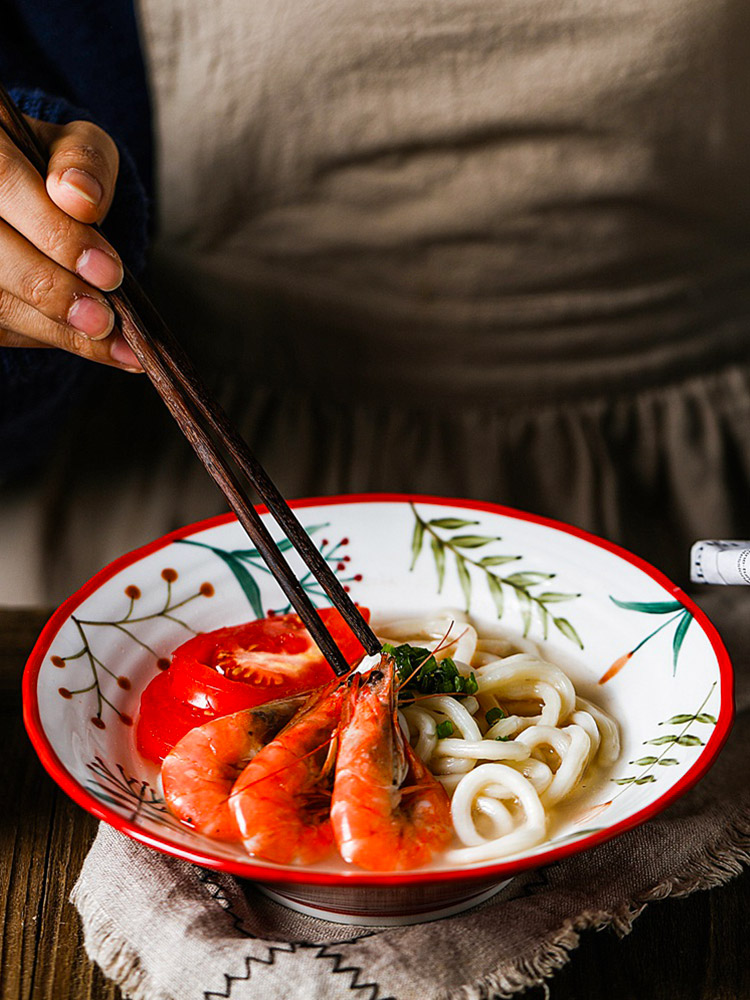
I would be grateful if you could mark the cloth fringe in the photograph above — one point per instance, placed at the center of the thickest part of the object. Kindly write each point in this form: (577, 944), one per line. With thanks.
(717, 866)
(106, 946)
(114, 955)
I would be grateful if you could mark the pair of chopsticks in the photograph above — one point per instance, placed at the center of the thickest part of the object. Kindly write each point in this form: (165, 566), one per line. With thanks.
(212, 436)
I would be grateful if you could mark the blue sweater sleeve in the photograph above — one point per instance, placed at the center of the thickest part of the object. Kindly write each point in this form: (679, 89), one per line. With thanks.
(37, 386)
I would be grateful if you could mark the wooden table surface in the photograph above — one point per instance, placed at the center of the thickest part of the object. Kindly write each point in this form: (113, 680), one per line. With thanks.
(696, 948)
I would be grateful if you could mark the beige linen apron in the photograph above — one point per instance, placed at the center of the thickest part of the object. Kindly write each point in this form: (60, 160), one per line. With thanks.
(490, 249)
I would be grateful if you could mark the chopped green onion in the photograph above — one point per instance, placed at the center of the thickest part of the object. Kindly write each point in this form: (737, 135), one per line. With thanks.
(419, 668)
(444, 729)
(494, 715)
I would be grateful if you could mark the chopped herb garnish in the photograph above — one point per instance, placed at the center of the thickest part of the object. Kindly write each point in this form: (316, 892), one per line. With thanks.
(444, 729)
(494, 715)
(502, 739)
(426, 674)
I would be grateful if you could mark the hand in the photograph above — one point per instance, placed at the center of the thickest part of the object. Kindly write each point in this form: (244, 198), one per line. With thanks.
(53, 265)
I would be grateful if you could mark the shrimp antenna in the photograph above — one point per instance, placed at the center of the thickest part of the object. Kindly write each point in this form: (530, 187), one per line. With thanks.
(442, 645)
(286, 767)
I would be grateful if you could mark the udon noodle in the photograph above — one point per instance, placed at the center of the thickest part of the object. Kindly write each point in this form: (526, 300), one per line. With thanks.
(505, 774)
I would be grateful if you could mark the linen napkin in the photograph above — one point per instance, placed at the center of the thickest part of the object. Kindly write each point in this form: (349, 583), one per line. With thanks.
(164, 929)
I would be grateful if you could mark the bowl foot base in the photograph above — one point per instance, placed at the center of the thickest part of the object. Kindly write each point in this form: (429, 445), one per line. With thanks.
(388, 911)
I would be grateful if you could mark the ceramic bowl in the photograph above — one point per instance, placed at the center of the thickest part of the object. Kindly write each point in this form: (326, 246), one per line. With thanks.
(629, 638)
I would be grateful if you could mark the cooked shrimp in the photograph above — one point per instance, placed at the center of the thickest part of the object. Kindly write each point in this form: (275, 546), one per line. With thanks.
(281, 801)
(388, 812)
(200, 771)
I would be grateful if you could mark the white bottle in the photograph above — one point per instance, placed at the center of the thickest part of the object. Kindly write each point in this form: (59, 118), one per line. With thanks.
(720, 561)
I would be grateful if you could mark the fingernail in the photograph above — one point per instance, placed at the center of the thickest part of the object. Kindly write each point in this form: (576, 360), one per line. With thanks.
(93, 318)
(98, 268)
(83, 184)
(121, 352)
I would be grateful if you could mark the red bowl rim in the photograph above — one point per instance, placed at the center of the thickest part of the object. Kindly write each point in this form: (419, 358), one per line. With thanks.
(263, 873)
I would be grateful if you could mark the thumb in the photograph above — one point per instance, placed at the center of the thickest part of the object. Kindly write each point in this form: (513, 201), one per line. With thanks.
(82, 169)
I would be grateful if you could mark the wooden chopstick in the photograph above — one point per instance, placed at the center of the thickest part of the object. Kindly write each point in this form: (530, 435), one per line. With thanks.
(198, 415)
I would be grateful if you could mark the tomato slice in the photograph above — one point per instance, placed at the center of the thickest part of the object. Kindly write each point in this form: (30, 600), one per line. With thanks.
(221, 672)
(162, 720)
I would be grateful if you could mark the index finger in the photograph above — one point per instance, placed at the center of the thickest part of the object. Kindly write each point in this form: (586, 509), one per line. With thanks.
(26, 206)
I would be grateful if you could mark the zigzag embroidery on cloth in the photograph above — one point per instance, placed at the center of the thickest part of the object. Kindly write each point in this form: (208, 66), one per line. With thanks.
(355, 971)
(218, 893)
